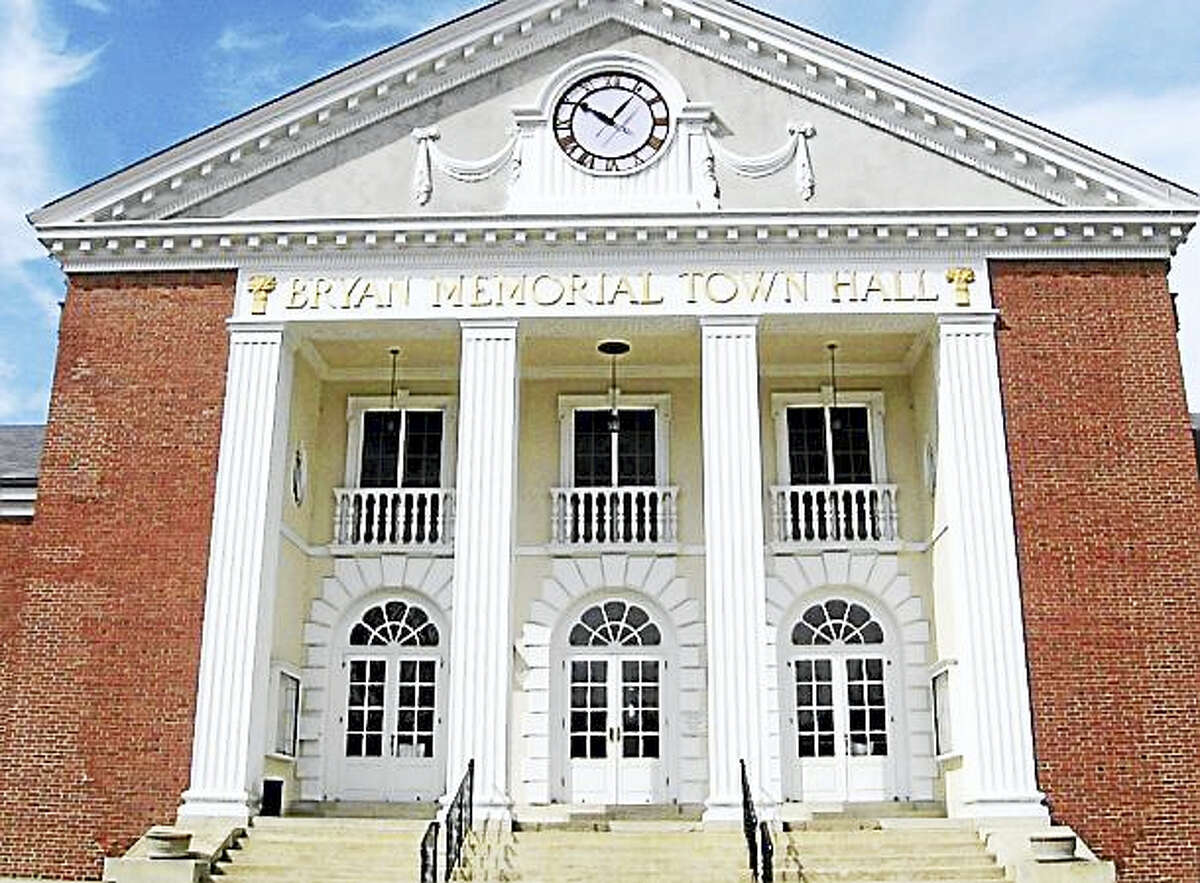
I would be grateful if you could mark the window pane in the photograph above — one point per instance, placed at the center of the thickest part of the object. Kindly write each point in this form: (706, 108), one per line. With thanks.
(851, 446)
(380, 448)
(593, 449)
(423, 449)
(288, 713)
(806, 445)
(635, 447)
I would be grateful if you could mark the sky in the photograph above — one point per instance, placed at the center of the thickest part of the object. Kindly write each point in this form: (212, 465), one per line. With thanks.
(89, 86)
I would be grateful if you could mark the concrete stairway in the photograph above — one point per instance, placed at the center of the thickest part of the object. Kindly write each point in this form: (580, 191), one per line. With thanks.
(326, 850)
(630, 852)
(841, 850)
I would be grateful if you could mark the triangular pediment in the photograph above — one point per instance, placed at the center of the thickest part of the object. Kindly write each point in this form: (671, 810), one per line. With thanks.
(867, 135)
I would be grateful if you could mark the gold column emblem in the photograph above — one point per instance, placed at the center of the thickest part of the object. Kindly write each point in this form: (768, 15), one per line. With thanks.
(260, 287)
(961, 278)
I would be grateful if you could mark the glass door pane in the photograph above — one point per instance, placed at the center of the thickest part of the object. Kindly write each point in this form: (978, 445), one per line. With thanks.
(416, 707)
(814, 708)
(364, 708)
(640, 708)
(866, 708)
(851, 435)
(635, 448)
(380, 448)
(806, 446)
(589, 709)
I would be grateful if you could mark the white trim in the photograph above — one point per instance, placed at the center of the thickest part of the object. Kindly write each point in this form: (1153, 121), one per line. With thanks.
(573, 582)
(794, 581)
(280, 667)
(355, 582)
(660, 403)
(357, 407)
(634, 239)
(873, 400)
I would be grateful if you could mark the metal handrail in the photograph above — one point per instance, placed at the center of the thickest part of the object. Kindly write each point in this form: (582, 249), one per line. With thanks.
(758, 835)
(429, 853)
(460, 818)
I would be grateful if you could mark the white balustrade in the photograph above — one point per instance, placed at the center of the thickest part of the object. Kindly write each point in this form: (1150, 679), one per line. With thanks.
(596, 516)
(373, 517)
(844, 513)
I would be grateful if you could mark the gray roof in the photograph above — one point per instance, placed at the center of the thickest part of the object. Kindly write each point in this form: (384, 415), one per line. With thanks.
(20, 451)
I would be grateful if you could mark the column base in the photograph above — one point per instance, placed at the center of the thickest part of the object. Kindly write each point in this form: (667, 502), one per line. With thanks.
(237, 809)
(1030, 807)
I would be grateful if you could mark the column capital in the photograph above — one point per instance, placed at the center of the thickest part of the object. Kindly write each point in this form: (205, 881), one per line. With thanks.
(949, 323)
(729, 321)
(481, 327)
(240, 326)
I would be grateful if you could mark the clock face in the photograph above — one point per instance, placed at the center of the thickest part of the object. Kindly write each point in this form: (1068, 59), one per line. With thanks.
(612, 122)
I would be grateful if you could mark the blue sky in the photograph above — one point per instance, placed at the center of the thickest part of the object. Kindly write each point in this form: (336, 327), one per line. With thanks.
(89, 86)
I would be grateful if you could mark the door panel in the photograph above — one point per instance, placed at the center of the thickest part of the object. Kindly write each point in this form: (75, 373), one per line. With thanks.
(390, 747)
(614, 730)
(841, 750)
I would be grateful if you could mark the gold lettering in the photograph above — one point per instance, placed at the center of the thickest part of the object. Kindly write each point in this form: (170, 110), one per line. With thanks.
(691, 280)
(547, 299)
(477, 292)
(322, 287)
(647, 298)
(716, 296)
(299, 295)
(447, 291)
(511, 288)
(756, 289)
(394, 285)
(874, 286)
(843, 280)
(901, 291)
(369, 290)
(578, 288)
(622, 288)
(797, 284)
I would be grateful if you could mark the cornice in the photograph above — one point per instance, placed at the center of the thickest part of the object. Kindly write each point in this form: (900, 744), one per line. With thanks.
(545, 240)
(821, 70)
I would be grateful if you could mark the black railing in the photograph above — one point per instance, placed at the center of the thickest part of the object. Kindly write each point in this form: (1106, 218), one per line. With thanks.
(460, 818)
(758, 835)
(429, 854)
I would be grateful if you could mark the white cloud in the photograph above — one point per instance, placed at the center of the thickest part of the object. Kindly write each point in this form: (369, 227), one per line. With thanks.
(18, 403)
(34, 66)
(246, 39)
(99, 6)
(401, 19)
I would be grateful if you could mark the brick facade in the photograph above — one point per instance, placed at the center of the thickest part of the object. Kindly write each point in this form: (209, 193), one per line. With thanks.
(101, 632)
(1105, 497)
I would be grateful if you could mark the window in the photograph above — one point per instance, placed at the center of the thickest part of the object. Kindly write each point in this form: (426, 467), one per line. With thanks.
(287, 713)
(634, 462)
(943, 740)
(836, 621)
(819, 444)
(615, 623)
(829, 445)
(401, 448)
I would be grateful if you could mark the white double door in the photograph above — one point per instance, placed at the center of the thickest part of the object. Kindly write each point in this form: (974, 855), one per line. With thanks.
(614, 729)
(390, 727)
(841, 727)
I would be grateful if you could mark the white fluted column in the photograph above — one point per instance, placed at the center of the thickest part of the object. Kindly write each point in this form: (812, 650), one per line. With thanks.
(975, 564)
(735, 581)
(480, 655)
(228, 743)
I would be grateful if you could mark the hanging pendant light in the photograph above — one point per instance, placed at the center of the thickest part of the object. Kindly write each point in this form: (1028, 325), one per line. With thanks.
(832, 346)
(613, 349)
(392, 422)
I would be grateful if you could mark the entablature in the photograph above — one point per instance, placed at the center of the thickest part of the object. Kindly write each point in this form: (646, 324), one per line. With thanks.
(546, 239)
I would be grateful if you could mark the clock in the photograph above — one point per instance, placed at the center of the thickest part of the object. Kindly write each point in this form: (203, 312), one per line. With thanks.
(612, 122)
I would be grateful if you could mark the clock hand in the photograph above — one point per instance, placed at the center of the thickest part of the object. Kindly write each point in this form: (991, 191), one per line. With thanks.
(621, 123)
(603, 117)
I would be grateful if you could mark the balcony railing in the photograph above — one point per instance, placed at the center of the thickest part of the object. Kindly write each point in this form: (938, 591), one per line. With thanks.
(839, 513)
(381, 517)
(600, 516)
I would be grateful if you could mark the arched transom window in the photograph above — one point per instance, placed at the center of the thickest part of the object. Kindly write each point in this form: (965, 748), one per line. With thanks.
(615, 623)
(836, 621)
(396, 623)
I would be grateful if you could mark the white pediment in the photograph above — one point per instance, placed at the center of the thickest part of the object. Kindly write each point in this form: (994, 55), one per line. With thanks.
(764, 117)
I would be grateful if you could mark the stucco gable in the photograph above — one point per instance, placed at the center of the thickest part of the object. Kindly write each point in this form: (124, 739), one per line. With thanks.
(987, 157)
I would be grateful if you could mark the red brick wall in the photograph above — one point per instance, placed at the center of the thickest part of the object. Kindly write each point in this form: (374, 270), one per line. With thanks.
(1106, 504)
(102, 639)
